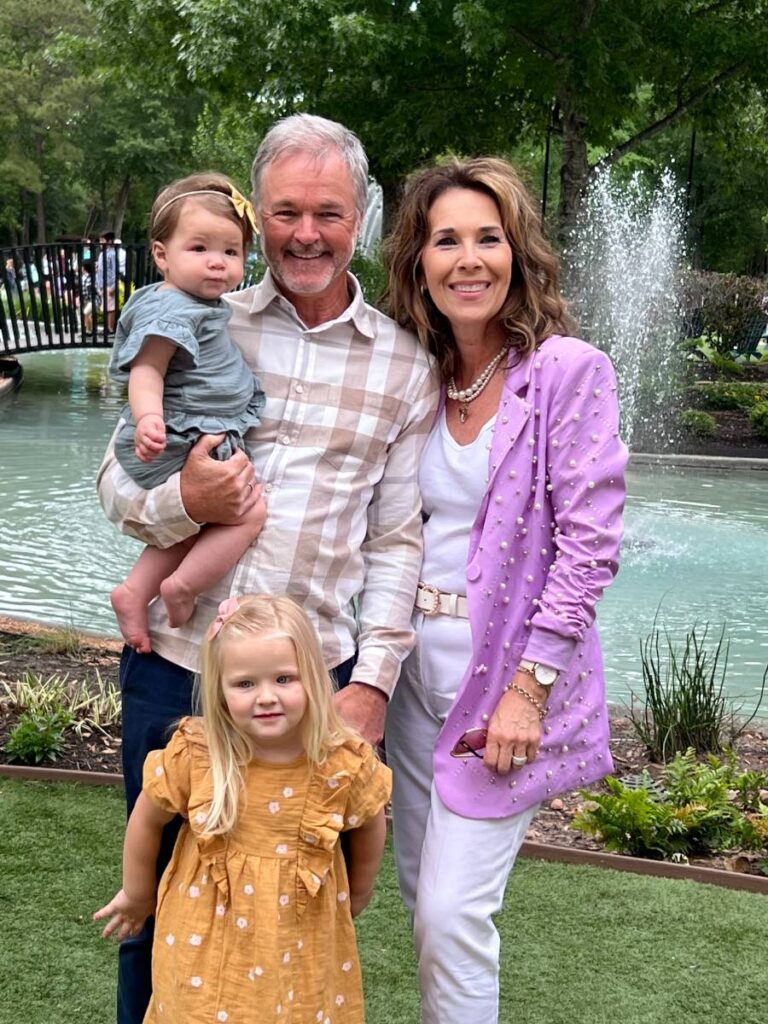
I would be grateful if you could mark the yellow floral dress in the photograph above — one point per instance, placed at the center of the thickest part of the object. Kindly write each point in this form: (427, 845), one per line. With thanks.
(256, 925)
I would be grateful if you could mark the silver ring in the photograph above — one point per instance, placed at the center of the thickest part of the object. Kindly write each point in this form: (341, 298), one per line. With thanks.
(518, 762)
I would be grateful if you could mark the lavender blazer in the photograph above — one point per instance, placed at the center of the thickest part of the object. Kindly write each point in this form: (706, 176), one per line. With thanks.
(543, 547)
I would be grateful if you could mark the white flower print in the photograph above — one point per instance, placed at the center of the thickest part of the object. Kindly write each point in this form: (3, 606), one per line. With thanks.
(273, 806)
(170, 939)
(286, 958)
(287, 792)
(283, 900)
(222, 1015)
(159, 771)
(255, 972)
(319, 1015)
(195, 982)
(204, 880)
(281, 848)
(337, 819)
(339, 1000)
(333, 784)
(347, 965)
(300, 944)
(242, 922)
(290, 995)
(278, 1009)
(220, 910)
(341, 897)
(200, 818)
(352, 820)
(195, 940)
(248, 889)
(194, 892)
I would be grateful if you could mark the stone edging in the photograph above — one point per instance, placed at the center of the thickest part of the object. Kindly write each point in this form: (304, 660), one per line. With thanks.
(540, 851)
(716, 463)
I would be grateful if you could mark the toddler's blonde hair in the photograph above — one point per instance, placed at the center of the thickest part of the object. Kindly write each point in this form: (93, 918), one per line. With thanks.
(322, 727)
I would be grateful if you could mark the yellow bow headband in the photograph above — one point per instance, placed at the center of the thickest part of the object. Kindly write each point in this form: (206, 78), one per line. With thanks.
(243, 207)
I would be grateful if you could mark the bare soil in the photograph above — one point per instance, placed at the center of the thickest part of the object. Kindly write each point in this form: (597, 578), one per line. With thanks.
(101, 752)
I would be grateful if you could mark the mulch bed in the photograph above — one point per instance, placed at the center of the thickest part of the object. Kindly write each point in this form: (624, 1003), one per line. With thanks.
(101, 753)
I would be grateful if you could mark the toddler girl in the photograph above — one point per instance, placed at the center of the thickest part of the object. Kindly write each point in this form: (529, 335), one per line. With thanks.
(254, 912)
(185, 378)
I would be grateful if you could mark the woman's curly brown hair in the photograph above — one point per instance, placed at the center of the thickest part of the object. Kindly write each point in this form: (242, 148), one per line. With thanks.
(534, 308)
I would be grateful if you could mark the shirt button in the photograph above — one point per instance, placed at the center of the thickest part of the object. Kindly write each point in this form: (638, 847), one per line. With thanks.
(285, 439)
(299, 389)
(268, 488)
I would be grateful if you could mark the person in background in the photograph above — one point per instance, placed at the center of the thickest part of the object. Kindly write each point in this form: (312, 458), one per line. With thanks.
(502, 703)
(350, 400)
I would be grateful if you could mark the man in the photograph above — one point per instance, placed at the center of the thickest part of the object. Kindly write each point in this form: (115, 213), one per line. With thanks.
(350, 399)
(106, 278)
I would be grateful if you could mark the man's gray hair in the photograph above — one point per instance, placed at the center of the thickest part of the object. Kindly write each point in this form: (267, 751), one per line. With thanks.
(308, 133)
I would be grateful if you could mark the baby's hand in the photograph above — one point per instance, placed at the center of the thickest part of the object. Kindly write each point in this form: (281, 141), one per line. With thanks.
(149, 437)
(126, 916)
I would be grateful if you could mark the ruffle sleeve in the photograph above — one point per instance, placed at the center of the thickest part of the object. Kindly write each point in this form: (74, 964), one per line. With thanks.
(164, 314)
(167, 774)
(369, 791)
(346, 791)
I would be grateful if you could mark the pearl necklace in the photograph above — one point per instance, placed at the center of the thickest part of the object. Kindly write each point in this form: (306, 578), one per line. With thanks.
(469, 394)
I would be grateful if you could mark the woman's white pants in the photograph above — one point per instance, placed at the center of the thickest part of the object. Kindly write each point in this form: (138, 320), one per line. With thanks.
(452, 870)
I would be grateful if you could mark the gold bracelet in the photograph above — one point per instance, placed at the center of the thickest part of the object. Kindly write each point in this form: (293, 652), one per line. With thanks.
(530, 698)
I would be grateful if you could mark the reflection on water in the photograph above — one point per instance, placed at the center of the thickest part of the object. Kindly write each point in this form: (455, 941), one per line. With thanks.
(695, 545)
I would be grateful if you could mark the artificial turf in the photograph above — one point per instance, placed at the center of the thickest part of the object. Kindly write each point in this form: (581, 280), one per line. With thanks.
(579, 945)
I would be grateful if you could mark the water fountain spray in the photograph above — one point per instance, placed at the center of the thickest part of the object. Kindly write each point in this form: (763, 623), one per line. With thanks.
(623, 277)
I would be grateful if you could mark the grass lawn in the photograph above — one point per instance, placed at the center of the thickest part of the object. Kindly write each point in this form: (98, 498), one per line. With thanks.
(580, 945)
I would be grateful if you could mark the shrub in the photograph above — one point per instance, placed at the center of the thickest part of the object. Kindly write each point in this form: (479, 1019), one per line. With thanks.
(684, 703)
(38, 736)
(731, 394)
(689, 810)
(759, 416)
(94, 705)
(699, 423)
(723, 306)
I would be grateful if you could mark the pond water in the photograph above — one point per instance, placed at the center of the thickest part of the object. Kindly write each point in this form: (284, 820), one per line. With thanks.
(695, 549)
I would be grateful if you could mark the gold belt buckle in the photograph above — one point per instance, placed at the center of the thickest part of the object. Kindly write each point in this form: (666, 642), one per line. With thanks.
(428, 588)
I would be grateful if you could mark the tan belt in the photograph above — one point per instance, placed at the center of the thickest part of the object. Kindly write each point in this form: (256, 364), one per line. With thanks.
(432, 601)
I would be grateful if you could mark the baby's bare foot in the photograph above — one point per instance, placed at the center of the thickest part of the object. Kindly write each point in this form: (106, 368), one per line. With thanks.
(131, 613)
(179, 600)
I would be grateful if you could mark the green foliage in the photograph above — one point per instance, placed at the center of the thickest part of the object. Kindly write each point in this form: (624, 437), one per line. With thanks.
(725, 306)
(725, 365)
(370, 272)
(684, 702)
(690, 810)
(699, 423)
(92, 705)
(731, 395)
(759, 417)
(38, 736)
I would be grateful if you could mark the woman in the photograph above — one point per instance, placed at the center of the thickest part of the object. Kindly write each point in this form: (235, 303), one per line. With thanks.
(502, 703)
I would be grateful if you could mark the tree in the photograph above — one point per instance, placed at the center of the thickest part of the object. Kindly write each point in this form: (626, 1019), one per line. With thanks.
(40, 92)
(418, 79)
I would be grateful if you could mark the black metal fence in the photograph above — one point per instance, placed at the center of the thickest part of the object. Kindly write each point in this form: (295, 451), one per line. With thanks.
(67, 294)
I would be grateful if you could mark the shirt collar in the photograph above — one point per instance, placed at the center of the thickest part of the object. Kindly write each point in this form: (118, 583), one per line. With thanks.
(266, 292)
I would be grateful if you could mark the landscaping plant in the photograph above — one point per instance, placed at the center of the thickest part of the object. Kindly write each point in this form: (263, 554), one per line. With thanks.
(685, 704)
(692, 808)
(699, 423)
(759, 417)
(38, 736)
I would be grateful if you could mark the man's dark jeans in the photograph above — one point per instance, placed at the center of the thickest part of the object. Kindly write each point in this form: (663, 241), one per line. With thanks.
(156, 694)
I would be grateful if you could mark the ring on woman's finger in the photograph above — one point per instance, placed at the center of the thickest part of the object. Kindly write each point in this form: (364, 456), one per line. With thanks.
(518, 762)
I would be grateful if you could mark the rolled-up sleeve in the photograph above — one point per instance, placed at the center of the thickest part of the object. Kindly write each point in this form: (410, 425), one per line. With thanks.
(586, 459)
(155, 517)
